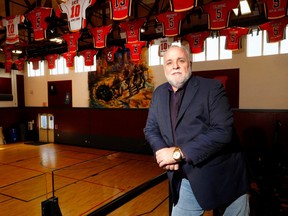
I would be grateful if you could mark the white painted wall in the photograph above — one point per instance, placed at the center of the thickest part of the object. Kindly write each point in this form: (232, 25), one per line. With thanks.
(263, 82)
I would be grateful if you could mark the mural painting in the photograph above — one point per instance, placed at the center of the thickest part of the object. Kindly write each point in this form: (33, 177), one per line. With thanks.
(120, 82)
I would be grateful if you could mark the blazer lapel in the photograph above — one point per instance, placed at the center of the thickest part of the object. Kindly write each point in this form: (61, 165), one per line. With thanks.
(165, 113)
(190, 92)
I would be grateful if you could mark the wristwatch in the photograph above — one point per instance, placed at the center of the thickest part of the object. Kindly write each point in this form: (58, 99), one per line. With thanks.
(177, 154)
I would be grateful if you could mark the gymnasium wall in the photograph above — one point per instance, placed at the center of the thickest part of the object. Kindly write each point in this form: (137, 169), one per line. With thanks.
(122, 129)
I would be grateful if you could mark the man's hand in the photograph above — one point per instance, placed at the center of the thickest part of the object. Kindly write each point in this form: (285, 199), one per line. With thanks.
(165, 160)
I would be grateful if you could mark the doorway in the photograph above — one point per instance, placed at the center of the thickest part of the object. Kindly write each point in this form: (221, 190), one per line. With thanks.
(46, 129)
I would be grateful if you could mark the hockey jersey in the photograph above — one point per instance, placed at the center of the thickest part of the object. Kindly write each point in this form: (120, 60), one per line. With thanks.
(234, 37)
(8, 52)
(89, 56)
(100, 35)
(11, 24)
(275, 29)
(35, 63)
(72, 40)
(132, 29)
(69, 57)
(20, 63)
(196, 41)
(109, 52)
(120, 9)
(135, 49)
(51, 59)
(76, 13)
(164, 44)
(37, 18)
(171, 22)
(274, 9)
(179, 6)
(219, 13)
(8, 66)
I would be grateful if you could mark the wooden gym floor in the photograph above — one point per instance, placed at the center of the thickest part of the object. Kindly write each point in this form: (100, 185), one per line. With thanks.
(84, 180)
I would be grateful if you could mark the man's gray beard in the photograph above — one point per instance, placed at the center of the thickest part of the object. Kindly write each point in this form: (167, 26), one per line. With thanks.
(179, 84)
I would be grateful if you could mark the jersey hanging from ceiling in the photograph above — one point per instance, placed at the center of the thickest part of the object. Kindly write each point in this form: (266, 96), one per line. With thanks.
(37, 18)
(135, 49)
(171, 22)
(275, 29)
(11, 23)
(69, 57)
(234, 37)
(100, 35)
(274, 9)
(196, 41)
(20, 63)
(109, 52)
(72, 40)
(179, 6)
(76, 13)
(35, 62)
(8, 66)
(164, 44)
(51, 59)
(120, 9)
(8, 53)
(132, 29)
(89, 56)
(219, 13)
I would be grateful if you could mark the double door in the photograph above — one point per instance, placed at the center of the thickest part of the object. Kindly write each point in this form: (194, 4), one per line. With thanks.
(46, 129)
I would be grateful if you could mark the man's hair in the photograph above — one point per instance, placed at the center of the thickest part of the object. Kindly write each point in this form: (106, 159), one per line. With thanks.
(182, 47)
(186, 53)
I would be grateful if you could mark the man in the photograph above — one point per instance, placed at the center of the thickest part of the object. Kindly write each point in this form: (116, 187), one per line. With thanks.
(189, 128)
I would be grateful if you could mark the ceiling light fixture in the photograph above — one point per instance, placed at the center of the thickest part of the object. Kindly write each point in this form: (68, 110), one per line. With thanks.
(56, 40)
(17, 51)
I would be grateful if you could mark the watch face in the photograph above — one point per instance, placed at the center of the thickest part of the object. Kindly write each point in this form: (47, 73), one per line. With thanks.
(176, 155)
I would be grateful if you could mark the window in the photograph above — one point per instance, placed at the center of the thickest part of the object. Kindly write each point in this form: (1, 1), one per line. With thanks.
(254, 43)
(35, 73)
(257, 44)
(214, 49)
(60, 67)
(81, 67)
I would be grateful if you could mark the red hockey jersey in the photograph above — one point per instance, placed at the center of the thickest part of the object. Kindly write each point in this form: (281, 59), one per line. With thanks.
(109, 52)
(72, 40)
(171, 22)
(135, 49)
(196, 41)
(69, 57)
(275, 29)
(120, 9)
(179, 6)
(234, 37)
(219, 13)
(20, 63)
(51, 59)
(37, 18)
(89, 56)
(274, 9)
(132, 29)
(100, 35)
